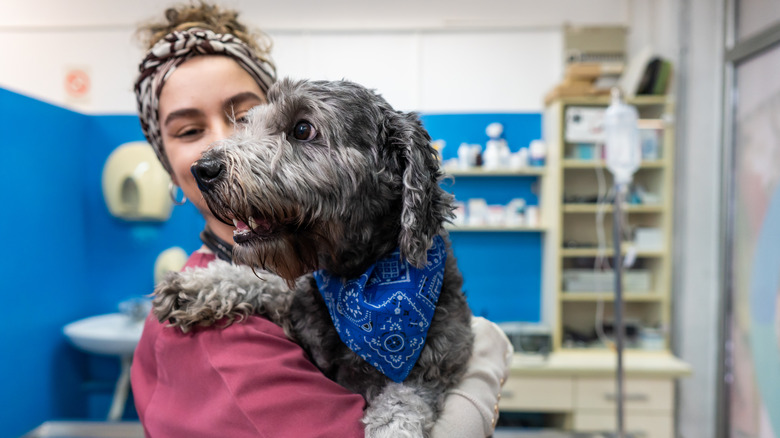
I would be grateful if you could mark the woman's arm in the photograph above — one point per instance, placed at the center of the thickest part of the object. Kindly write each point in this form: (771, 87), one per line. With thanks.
(247, 380)
(471, 409)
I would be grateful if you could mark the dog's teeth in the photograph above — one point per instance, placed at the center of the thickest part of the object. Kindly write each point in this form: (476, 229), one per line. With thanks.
(235, 222)
(252, 223)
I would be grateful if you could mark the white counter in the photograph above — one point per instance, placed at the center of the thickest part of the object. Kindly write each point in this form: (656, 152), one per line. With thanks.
(581, 386)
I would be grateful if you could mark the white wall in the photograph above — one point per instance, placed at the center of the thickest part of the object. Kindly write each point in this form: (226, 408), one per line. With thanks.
(35, 64)
(432, 56)
(465, 71)
(698, 236)
(690, 32)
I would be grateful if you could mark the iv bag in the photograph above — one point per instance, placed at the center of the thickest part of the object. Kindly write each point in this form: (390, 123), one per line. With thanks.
(623, 149)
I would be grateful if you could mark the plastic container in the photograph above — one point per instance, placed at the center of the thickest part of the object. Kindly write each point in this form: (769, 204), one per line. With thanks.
(537, 153)
(623, 150)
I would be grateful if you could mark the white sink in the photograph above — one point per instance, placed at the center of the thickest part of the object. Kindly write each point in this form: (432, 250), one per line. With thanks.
(111, 334)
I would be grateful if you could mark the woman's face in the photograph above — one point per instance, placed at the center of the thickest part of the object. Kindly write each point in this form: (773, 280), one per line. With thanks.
(199, 104)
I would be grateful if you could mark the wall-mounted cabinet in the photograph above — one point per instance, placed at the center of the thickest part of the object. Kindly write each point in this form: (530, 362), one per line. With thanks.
(578, 248)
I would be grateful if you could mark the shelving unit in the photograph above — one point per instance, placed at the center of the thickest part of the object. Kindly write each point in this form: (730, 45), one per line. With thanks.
(497, 229)
(477, 172)
(493, 254)
(527, 170)
(572, 242)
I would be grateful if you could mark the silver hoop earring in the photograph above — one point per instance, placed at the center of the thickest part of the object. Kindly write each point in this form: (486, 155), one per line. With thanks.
(172, 192)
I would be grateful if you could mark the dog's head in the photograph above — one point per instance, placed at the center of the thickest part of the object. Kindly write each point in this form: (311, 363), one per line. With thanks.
(327, 175)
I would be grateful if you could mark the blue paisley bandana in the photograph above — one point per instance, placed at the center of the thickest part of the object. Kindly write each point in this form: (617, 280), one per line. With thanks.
(384, 314)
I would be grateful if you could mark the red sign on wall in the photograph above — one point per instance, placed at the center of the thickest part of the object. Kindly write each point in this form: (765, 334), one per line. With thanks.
(77, 83)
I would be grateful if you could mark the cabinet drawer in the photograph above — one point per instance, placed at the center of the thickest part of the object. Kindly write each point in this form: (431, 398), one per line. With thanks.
(649, 425)
(639, 394)
(537, 394)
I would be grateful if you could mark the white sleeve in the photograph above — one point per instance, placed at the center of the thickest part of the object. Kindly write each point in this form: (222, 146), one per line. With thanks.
(471, 408)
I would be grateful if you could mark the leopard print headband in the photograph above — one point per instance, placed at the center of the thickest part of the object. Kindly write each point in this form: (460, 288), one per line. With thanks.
(170, 52)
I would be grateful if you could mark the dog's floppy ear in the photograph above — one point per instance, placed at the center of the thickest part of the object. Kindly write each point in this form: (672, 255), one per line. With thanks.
(425, 205)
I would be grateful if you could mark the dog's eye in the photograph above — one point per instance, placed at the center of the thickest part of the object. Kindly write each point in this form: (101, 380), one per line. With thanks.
(304, 131)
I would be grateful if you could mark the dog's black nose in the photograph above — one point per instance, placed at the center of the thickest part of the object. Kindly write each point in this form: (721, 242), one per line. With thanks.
(207, 172)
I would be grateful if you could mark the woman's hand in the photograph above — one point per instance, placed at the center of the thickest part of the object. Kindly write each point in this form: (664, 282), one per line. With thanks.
(471, 408)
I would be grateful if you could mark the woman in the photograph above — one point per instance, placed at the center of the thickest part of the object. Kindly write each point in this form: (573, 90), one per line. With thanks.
(203, 72)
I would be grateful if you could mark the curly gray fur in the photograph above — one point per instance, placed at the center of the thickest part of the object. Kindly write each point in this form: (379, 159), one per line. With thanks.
(365, 184)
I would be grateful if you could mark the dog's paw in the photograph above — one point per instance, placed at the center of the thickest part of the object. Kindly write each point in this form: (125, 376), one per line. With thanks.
(166, 296)
(189, 298)
(398, 412)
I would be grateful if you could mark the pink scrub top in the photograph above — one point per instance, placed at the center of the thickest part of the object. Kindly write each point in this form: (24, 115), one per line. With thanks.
(246, 380)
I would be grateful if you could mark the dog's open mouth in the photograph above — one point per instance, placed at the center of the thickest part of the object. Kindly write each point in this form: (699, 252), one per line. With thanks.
(257, 228)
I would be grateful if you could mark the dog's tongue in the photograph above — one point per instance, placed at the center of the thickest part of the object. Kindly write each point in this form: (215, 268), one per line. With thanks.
(240, 226)
(260, 226)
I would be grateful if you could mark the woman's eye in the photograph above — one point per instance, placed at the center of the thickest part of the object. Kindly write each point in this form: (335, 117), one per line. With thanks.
(242, 119)
(304, 131)
(188, 133)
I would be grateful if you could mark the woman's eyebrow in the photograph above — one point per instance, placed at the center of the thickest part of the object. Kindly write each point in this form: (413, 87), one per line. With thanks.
(182, 113)
(240, 98)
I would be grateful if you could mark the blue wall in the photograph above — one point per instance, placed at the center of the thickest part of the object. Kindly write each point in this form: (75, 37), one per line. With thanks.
(519, 129)
(67, 258)
(501, 271)
(44, 285)
(121, 254)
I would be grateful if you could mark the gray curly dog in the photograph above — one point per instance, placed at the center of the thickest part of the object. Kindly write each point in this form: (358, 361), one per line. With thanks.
(323, 183)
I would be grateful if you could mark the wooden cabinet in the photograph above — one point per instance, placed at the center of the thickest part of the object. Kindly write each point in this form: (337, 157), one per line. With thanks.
(650, 425)
(641, 394)
(581, 387)
(549, 394)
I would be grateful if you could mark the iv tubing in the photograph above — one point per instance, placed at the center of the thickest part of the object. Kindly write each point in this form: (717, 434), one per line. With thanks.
(619, 330)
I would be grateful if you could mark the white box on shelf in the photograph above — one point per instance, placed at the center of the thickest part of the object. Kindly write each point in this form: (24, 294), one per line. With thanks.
(650, 139)
(496, 215)
(648, 239)
(588, 280)
(584, 124)
(477, 212)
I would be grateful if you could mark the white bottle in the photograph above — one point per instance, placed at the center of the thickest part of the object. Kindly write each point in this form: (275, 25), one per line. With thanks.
(515, 212)
(491, 159)
(477, 212)
(464, 156)
(504, 154)
(520, 158)
(537, 151)
(496, 150)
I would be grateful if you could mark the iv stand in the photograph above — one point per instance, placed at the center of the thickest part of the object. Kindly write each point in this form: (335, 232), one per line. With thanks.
(623, 159)
(618, 327)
